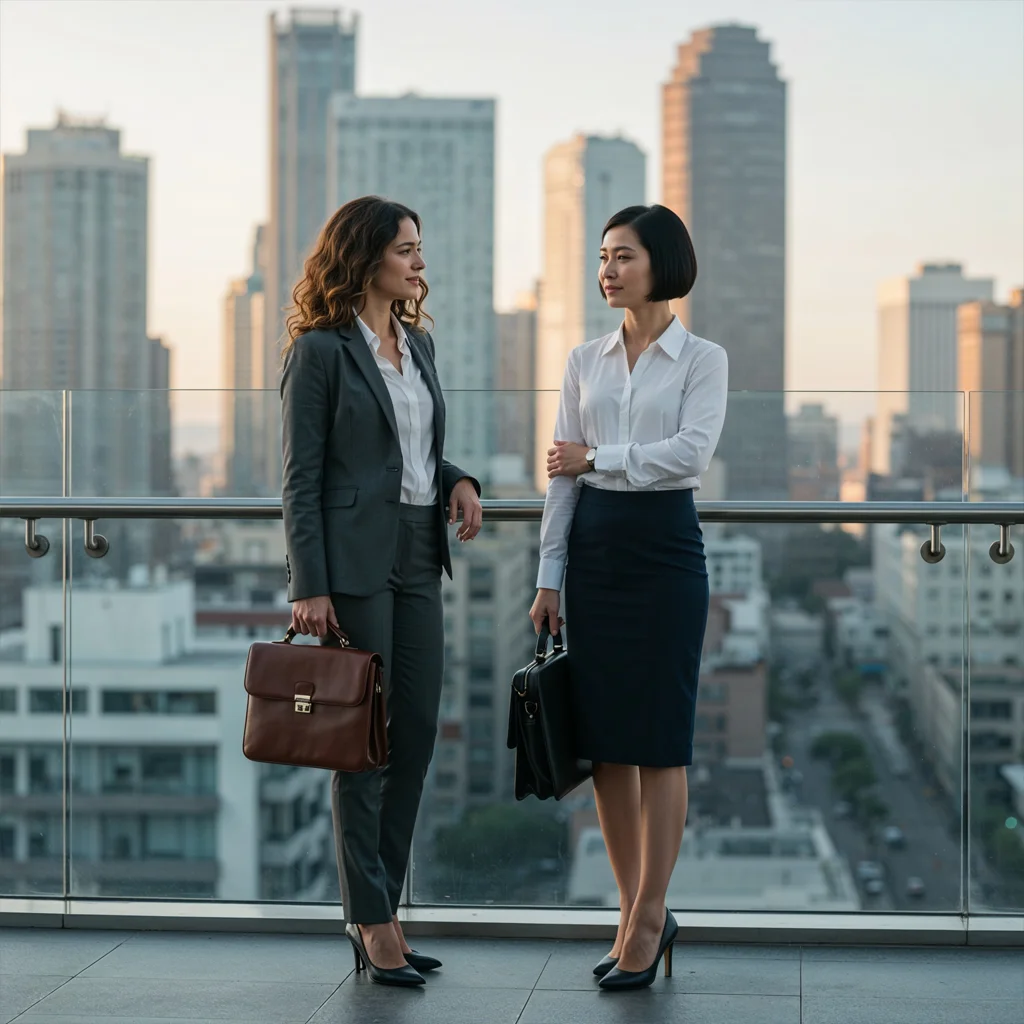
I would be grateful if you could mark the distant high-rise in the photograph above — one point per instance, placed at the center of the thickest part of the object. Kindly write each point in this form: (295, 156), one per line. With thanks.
(813, 449)
(74, 315)
(724, 173)
(917, 353)
(515, 360)
(437, 157)
(312, 56)
(586, 180)
(991, 363)
(249, 413)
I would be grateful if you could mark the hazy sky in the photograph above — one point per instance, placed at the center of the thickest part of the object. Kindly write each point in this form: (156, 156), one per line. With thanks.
(906, 131)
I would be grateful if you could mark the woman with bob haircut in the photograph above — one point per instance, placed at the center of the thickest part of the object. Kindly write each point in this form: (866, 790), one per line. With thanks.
(368, 498)
(641, 411)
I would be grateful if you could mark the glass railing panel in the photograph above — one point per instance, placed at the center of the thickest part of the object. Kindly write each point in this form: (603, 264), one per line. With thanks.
(812, 786)
(995, 764)
(31, 652)
(163, 803)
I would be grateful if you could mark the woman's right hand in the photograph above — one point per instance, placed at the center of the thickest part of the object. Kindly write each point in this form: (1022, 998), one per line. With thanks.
(313, 615)
(545, 606)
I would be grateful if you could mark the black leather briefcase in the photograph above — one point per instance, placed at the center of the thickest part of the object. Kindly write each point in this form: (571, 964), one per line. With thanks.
(541, 725)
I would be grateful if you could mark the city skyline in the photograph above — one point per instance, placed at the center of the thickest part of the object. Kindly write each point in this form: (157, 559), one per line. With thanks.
(839, 250)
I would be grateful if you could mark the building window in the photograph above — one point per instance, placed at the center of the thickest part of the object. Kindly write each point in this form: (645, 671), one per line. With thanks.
(50, 701)
(8, 773)
(8, 700)
(56, 643)
(159, 702)
(6, 842)
(481, 700)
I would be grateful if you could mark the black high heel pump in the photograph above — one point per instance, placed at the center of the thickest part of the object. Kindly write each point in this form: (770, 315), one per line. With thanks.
(605, 965)
(618, 981)
(404, 976)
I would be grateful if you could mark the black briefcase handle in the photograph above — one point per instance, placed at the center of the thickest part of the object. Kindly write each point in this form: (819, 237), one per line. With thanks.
(542, 642)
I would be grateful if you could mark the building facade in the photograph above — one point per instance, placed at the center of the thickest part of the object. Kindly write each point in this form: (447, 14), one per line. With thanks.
(990, 363)
(515, 359)
(250, 405)
(312, 57)
(75, 237)
(586, 180)
(437, 157)
(917, 354)
(813, 451)
(724, 174)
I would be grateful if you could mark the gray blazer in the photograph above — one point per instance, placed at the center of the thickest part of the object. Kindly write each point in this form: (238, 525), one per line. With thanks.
(342, 474)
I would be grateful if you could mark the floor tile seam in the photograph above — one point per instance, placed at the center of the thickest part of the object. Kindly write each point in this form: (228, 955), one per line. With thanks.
(337, 989)
(540, 974)
(130, 935)
(46, 995)
(800, 1013)
(175, 979)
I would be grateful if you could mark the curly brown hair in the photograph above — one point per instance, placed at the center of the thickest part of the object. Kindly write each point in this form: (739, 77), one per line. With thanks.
(345, 259)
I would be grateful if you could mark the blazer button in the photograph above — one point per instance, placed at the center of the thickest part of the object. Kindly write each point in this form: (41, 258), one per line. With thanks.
(392, 469)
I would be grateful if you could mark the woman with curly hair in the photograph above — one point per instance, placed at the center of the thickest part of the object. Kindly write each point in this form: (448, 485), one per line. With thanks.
(368, 497)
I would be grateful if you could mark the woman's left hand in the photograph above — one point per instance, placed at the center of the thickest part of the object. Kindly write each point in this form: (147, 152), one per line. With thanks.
(567, 459)
(464, 498)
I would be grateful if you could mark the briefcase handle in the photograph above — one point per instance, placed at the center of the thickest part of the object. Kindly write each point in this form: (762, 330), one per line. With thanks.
(342, 638)
(542, 642)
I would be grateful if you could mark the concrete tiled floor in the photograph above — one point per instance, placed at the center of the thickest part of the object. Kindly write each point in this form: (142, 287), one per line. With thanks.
(100, 977)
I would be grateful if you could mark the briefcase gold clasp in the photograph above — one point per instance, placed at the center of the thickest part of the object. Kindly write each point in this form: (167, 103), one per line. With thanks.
(303, 705)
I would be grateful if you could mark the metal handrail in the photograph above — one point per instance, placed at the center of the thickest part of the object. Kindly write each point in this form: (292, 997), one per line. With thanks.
(940, 513)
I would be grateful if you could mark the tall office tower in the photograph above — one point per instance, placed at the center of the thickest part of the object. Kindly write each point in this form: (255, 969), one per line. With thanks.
(74, 317)
(813, 450)
(312, 56)
(249, 411)
(437, 157)
(917, 353)
(991, 361)
(586, 180)
(514, 382)
(724, 173)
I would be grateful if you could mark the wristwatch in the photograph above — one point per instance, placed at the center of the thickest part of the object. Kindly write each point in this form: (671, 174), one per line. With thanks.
(591, 456)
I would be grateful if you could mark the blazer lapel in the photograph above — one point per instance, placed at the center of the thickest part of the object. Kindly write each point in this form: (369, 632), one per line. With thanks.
(430, 377)
(356, 344)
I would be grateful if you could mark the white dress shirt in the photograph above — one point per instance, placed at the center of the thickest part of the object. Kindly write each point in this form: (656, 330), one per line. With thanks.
(414, 414)
(655, 429)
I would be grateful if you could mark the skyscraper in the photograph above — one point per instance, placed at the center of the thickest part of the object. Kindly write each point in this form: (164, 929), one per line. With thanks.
(437, 157)
(250, 414)
(586, 180)
(724, 173)
(312, 56)
(990, 362)
(515, 372)
(75, 285)
(917, 353)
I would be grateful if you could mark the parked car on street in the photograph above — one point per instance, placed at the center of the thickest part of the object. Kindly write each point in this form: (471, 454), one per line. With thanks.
(874, 887)
(893, 836)
(915, 886)
(869, 870)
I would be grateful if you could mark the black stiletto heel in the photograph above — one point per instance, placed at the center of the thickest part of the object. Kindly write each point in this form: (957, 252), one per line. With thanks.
(617, 980)
(605, 965)
(404, 976)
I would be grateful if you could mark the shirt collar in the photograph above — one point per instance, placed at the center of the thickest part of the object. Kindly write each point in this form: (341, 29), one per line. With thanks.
(373, 341)
(671, 342)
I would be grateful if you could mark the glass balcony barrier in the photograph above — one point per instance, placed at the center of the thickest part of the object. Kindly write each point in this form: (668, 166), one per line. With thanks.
(859, 743)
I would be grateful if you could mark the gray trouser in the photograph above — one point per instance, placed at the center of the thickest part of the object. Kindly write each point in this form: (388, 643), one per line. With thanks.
(375, 812)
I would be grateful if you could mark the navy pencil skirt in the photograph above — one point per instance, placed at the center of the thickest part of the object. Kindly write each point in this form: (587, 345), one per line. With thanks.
(636, 606)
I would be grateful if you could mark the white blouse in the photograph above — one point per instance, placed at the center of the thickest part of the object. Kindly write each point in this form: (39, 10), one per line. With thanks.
(655, 429)
(414, 414)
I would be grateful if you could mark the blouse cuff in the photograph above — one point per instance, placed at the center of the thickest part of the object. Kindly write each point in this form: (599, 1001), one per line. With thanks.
(611, 458)
(550, 574)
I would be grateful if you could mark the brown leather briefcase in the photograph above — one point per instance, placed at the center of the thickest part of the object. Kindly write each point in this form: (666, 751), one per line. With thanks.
(315, 706)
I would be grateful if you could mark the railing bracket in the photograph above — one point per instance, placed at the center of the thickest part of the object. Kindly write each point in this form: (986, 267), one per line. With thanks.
(1002, 550)
(933, 550)
(96, 545)
(35, 543)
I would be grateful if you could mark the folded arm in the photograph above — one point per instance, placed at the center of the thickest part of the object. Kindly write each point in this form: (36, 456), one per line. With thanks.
(688, 452)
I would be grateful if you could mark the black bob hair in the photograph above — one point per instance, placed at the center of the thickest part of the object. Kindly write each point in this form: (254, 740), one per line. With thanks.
(664, 236)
